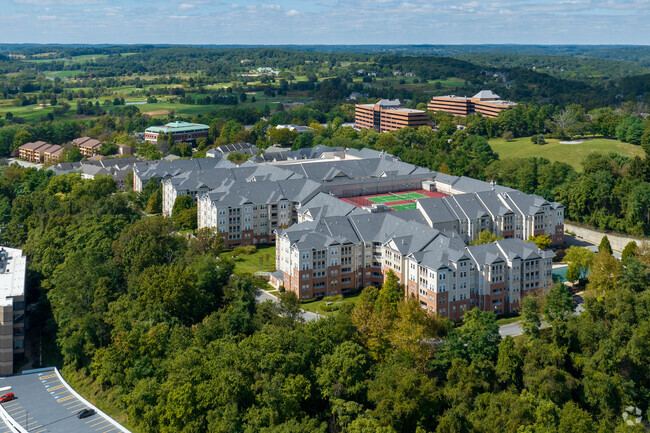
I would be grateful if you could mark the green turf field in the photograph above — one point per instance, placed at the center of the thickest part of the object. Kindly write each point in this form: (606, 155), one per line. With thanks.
(555, 151)
(396, 197)
(405, 206)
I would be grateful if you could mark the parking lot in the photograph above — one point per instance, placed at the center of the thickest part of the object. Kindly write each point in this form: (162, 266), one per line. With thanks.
(44, 404)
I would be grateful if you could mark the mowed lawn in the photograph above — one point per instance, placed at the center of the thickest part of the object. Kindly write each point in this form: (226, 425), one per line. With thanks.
(318, 306)
(555, 151)
(263, 259)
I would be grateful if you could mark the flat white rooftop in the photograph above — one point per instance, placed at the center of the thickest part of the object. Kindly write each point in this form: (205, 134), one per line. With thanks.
(12, 274)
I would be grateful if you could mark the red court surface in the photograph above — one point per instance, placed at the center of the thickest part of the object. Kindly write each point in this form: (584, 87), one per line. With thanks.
(362, 200)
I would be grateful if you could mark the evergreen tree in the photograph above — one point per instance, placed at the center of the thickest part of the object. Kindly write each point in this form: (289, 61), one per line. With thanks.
(605, 245)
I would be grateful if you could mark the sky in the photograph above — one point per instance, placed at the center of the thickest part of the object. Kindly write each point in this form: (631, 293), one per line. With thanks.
(297, 22)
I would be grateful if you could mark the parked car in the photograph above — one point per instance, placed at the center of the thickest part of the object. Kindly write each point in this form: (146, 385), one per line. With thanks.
(85, 413)
(7, 397)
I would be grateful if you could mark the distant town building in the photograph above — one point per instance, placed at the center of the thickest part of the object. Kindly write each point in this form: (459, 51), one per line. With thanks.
(485, 102)
(53, 154)
(356, 95)
(123, 149)
(226, 149)
(40, 151)
(388, 115)
(298, 128)
(181, 132)
(12, 308)
(87, 146)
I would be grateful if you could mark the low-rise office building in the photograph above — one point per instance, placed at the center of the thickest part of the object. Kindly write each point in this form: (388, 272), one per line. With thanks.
(181, 132)
(485, 102)
(388, 115)
(13, 265)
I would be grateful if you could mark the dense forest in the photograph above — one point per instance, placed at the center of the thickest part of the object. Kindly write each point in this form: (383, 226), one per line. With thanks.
(163, 325)
(560, 80)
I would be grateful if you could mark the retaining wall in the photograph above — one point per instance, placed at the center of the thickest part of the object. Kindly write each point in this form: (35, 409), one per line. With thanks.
(617, 241)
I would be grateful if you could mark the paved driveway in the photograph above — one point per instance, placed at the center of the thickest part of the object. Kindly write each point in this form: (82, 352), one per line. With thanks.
(264, 296)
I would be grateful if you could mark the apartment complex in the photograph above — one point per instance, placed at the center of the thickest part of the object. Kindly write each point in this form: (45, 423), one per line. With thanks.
(485, 102)
(328, 246)
(117, 168)
(181, 132)
(388, 115)
(40, 152)
(338, 254)
(87, 146)
(13, 265)
(248, 214)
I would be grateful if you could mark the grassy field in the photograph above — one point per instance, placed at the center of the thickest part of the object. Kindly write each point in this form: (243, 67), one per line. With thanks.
(261, 260)
(317, 306)
(570, 153)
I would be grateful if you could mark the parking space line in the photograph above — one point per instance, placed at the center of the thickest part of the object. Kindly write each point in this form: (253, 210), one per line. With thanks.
(101, 428)
(54, 388)
(113, 429)
(75, 406)
(95, 421)
(66, 398)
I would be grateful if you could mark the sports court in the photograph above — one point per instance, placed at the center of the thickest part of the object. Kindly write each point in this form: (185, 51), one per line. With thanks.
(397, 201)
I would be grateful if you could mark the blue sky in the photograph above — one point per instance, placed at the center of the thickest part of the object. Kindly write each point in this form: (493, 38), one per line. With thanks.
(326, 22)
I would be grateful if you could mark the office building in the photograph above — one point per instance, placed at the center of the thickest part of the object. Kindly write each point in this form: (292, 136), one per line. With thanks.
(485, 102)
(181, 132)
(388, 115)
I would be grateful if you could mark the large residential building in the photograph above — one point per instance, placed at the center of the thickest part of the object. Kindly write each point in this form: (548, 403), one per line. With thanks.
(166, 169)
(226, 149)
(336, 255)
(117, 168)
(223, 191)
(87, 146)
(388, 115)
(181, 132)
(277, 191)
(330, 241)
(40, 151)
(12, 308)
(485, 102)
(248, 213)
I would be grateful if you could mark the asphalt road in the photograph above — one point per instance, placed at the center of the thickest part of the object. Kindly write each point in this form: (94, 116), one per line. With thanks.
(263, 296)
(514, 329)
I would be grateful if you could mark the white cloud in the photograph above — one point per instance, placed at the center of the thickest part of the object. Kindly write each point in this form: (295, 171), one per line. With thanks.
(293, 13)
(271, 6)
(186, 6)
(46, 17)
